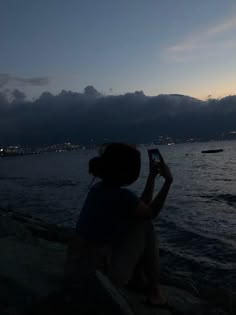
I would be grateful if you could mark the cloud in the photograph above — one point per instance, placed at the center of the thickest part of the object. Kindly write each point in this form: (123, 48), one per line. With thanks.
(91, 91)
(4, 79)
(3, 99)
(205, 39)
(132, 117)
(224, 26)
(8, 80)
(18, 96)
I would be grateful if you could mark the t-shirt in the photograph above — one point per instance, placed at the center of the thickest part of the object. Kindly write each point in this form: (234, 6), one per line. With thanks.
(107, 214)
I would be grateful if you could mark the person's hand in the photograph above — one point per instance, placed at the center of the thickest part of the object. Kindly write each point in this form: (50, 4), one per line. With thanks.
(154, 166)
(166, 173)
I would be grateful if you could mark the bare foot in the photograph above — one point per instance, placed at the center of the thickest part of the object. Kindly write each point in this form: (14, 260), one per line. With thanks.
(157, 298)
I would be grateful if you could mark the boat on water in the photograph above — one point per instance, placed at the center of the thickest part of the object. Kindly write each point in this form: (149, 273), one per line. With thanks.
(213, 151)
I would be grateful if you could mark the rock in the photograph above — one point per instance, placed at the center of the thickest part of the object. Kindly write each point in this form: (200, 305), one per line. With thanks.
(179, 304)
(96, 296)
(11, 227)
(52, 232)
(14, 296)
(27, 228)
(37, 269)
(184, 302)
(221, 298)
(31, 273)
(180, 301)
(30, 265)
(179, 280)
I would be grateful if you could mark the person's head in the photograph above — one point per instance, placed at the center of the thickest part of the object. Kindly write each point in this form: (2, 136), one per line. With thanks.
(118, 164)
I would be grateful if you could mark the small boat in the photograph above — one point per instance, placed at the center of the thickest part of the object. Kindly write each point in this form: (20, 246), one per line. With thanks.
(213, 151)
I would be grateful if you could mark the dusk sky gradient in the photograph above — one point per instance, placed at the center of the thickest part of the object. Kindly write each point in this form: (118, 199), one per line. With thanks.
(172, 46)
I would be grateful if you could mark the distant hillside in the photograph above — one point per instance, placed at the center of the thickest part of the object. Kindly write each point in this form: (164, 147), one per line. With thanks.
(80, 117)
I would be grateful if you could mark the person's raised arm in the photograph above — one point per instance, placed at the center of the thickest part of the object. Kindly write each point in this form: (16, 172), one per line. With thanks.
(154, 170)
(160, 198)
(153, 209)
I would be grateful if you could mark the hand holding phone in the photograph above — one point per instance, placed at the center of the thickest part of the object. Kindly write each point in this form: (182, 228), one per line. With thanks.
(158, 165)
(155, 162)
(155, 155)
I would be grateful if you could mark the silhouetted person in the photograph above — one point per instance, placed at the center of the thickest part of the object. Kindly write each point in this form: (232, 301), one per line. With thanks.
(114, 232)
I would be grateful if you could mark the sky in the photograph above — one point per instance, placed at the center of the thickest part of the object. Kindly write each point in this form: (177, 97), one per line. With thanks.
(155, 46)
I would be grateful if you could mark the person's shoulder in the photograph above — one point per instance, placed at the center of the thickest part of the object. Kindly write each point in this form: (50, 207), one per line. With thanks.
(127, 194)
(97, 186)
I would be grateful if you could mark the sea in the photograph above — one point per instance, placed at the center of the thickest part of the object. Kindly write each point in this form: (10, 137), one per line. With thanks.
(196, 227)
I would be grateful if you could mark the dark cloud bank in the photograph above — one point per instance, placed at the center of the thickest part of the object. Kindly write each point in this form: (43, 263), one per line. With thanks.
(7, 79)
(134, 117)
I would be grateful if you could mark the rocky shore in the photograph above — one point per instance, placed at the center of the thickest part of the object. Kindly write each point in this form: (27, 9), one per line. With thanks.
(31, 279)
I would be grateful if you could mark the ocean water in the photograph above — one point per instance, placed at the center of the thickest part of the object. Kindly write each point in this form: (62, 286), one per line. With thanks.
(196, 228)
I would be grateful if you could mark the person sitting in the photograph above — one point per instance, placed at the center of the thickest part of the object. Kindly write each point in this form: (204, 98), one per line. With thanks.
(114, 231)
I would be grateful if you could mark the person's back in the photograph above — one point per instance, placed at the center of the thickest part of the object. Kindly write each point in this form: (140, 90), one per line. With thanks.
(107, 214)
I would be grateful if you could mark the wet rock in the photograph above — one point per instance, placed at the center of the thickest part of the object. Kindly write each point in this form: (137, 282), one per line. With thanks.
(9, 227)
(27, 228)
(96, 296)
(14, 296)
(31, 281)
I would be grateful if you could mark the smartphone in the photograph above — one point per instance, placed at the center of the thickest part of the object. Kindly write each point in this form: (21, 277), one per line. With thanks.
(156, 155)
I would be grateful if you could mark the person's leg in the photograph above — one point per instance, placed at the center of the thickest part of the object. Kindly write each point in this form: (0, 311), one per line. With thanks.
(83, 259)
(138, 280)
(151, 266)
(136, 262)
(126, 256)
